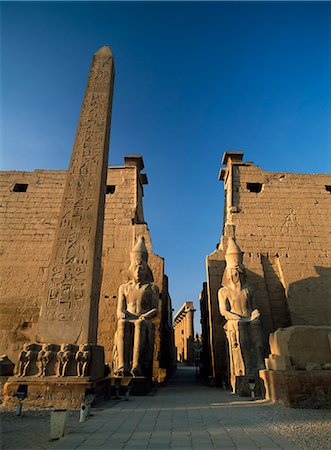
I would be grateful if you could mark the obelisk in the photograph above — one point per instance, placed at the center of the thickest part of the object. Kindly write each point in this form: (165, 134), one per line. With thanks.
(69, 310)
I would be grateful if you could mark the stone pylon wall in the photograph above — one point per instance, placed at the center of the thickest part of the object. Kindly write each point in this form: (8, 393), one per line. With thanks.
(282, 224)
(28, 221)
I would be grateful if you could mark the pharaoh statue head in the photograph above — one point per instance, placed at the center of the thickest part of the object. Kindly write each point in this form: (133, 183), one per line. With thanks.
(234, 271)
(139, 267)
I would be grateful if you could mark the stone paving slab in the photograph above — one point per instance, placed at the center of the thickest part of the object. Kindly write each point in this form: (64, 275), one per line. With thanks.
(184, 415)
(210, 416)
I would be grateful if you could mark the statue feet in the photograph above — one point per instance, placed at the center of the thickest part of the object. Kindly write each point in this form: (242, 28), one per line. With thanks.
(135, 372)
(120, 372)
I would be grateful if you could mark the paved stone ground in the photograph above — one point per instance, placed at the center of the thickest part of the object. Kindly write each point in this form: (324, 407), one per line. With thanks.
(185, 415)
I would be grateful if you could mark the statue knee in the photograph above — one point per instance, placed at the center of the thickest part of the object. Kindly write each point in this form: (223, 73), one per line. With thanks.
(139, 324)
(242, 327)
(255, 325)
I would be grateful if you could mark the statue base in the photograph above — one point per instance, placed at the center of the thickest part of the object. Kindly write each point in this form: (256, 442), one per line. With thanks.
(54, 392)
(298, 388)
(136, 386)
(249, 386)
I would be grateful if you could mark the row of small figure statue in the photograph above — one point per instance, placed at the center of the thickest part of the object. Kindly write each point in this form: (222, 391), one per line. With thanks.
(51, 359)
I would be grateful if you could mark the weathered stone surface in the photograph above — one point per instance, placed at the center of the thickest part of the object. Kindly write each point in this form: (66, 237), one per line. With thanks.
(298, 388)
(302, 345)
(27, 364)
(205, 362)
(282, 223)
(243, 325)
(66, 332)
(67, 360)
(278, 362)
(295, 376)
(69, 310)
(26, 255)
(184, 333)
(47, 359)
(284, 229)
(215, 355)
(124, 223)
(6, 366)
(69, 392)
(136, 308)
(68, 208)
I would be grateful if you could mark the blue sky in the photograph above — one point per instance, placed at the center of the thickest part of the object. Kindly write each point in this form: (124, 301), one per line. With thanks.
(192, 81)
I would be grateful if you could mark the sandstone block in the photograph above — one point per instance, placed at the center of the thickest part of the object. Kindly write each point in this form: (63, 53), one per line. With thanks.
(278, 362)
(288, 342)
(298, 388)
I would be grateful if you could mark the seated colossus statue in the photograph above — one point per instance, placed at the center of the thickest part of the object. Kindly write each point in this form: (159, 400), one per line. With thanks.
(137, 306)
(243, 326)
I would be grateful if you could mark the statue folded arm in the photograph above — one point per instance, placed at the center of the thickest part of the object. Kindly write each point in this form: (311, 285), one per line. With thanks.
(224, 306)
(254, 312)
(153, 311)
(122, 312)
(149, 314)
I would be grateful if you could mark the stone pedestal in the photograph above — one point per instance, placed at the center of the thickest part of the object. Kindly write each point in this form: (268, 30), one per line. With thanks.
(299, 369)
(54, 392)
(141, 385)
(138, 386)
(243, 389)
(162, 376)
(288, 351)
(298, 388)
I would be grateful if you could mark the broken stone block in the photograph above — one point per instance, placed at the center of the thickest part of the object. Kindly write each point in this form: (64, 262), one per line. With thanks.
(278, 362)
(303, 344)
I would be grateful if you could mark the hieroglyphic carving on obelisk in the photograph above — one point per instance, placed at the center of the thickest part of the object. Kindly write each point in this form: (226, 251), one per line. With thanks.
(69, 310)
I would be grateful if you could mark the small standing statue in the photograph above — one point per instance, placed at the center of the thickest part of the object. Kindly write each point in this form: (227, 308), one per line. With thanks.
(63, 357)
(137, 306)
(43, 359)
(83, 358)
(24, 360)
(243, 326)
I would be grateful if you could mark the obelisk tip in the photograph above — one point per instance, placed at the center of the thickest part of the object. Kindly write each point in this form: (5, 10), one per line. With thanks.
(104, 51)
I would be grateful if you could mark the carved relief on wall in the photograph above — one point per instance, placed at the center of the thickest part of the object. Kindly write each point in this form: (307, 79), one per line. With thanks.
(79, 215)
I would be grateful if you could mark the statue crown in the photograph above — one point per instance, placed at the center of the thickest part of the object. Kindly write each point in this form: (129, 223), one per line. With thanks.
(233, 255)
(140, 250)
